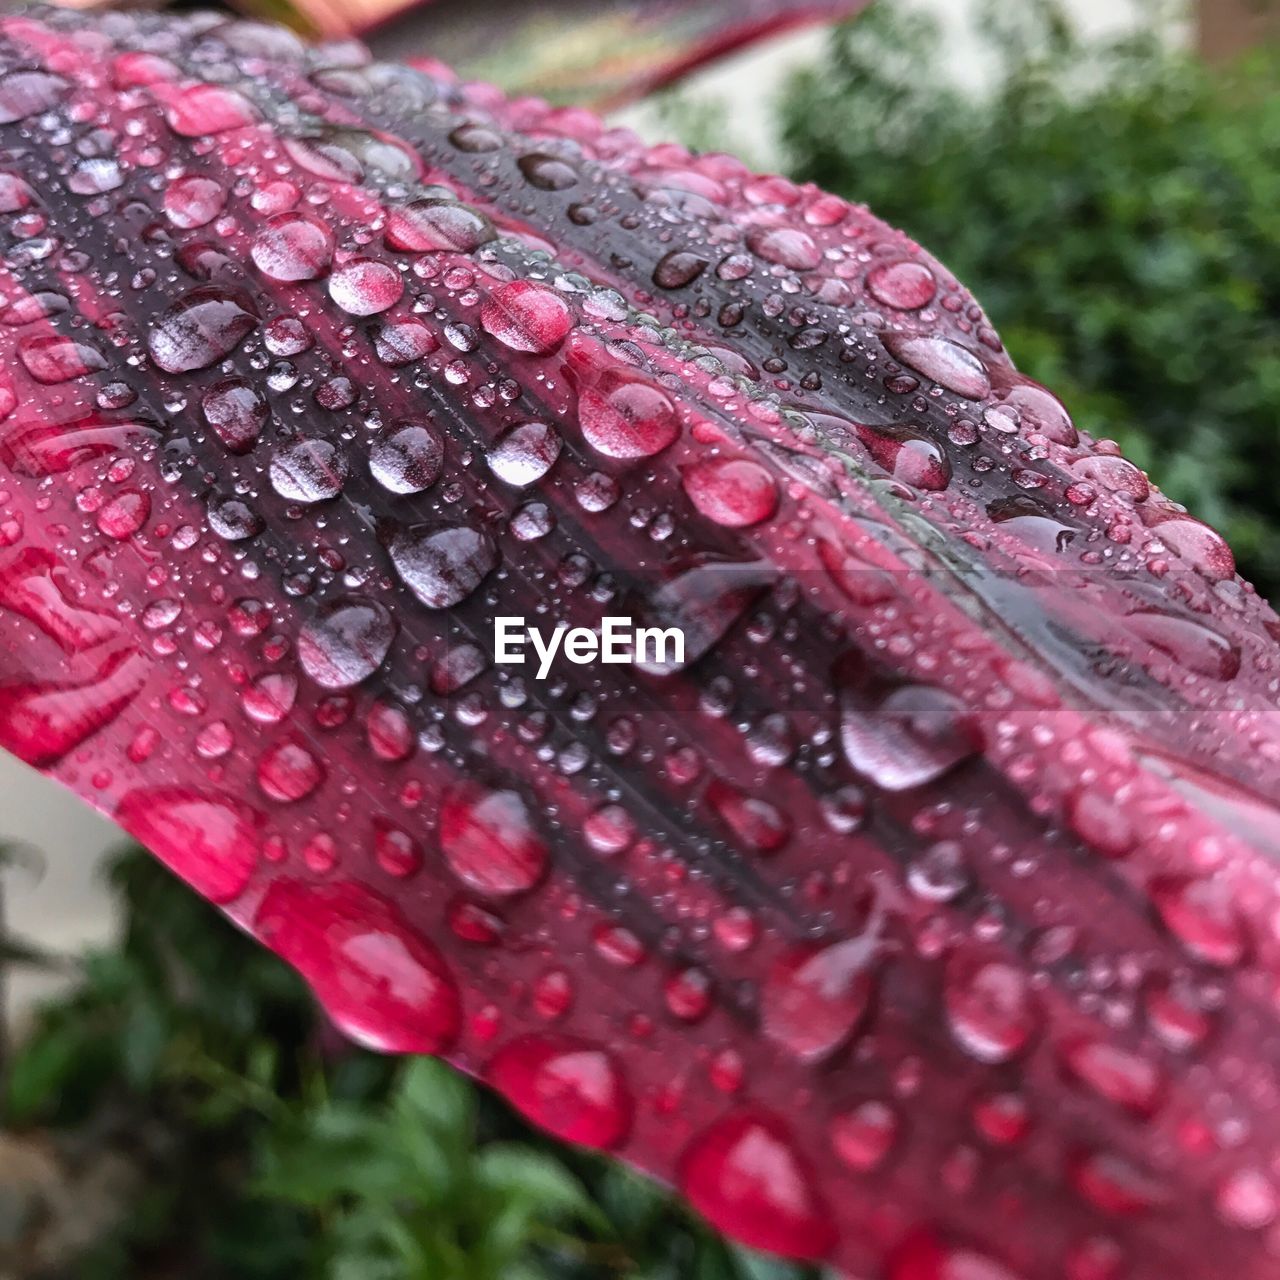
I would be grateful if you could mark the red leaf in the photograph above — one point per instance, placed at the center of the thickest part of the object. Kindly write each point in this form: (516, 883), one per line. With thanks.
(920, 916)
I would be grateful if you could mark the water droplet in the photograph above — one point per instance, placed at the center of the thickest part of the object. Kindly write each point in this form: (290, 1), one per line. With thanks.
(908, 455)
(926, 1257)
(734, 492)
(407, 457)
(678, 269)
(990, 1007)
(200, 329)
(270, 698)
(346, 642)
(308, 471)
(489, 841)
(365, 286)
(745, 1176)
(52, 358)
(906, 286)
(436, 226)
(383, 983)
(443, 564)
(569, 1087)
(193, 201)
(864, 1137)
(43, 721)
(527, 317)
(1190, 643)
(124, 514)
(205, 109)
(1203, 548)
(946, 363)
(547, 173)
(1202, 915)
(295, 246)
(289, 771)
(237, 411)
(212, 841)
(27, 93)
(523, 454)
(908, 738)
(626, 418)
(786, 246)
(757, 824)
(1126, 1079)
(815, 998)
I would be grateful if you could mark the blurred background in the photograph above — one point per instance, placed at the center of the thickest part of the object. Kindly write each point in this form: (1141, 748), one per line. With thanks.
(1105, 175)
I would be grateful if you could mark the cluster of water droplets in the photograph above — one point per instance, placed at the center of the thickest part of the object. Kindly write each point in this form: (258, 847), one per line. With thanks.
(345, 394)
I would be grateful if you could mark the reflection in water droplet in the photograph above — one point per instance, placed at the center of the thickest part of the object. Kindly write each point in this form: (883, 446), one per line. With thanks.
(293, 247)
(433, 226)
(908, 738)
(734, 492)
(523, 454)
(946, 363)
(626, 418)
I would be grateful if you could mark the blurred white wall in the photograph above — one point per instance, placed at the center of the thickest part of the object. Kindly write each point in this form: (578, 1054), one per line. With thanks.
(65, 908)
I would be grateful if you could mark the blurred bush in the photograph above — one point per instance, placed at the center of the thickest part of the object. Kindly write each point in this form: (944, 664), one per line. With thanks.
(1116, 208)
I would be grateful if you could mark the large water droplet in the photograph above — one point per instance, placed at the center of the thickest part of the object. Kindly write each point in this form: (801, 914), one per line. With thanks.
(308, 471)
(434, 226)
(292, 247)
(990, 1006)
(52, 358)
(237, 411)
(443, 564)
(289, 771)
(27, 93)
(946, 363)
(626, 418)
(346, 642)
(407, 457)
(523, 454)
(527, 317)
(365, 286)
(569, 1087)
(906, 286)
(745, 1176)
(910, 737)
(383, 983)
(212, 841)
(734, 492)
(205, 109)
(815, 998)
(489, 841)
(200, 329)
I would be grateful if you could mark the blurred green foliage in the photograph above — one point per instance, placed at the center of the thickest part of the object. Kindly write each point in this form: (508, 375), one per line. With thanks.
(1116, 209)
(265, 1147)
